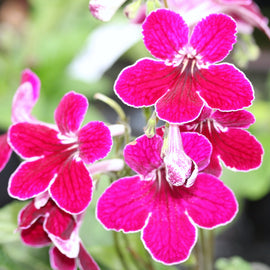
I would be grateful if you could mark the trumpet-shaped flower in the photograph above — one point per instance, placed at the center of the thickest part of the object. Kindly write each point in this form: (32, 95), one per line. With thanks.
(186, 76)
(236, 147)
(56, 157)
(41, 226)
(24, 100)
(165, 210)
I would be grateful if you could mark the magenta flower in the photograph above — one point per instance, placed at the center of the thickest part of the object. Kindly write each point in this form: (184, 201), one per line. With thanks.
(166, 210)
(56, 157)
(41, 226)
(186, 77)
(245, 12)
(24, 100)
(236, 147)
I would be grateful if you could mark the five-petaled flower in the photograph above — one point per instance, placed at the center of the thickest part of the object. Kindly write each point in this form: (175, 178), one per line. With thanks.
(56, 156)
(24, 100)
(186, 76)
(236, 147)
(165, 212)
(41, 225)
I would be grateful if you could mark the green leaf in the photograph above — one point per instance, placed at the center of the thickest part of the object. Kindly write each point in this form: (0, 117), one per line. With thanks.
(234, 263)
(8, 222)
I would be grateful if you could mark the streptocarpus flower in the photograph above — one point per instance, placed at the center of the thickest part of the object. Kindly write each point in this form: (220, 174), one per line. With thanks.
(41, 226)
(104, 9)
(166, 213)
(245, 12)
(186, 77)
(56, 157)
(24, 100)
(236, 147)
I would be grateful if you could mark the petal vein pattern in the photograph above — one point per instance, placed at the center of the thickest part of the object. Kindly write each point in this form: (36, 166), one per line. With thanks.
(187, 78)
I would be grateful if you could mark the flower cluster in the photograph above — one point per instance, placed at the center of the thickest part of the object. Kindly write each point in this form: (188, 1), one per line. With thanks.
(176, 186)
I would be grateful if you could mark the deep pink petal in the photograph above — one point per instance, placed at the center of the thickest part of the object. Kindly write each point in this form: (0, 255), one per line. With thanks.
(213, 37)
(209, 202)
(224, 87)
(124, 205)
(238, 149)
(5, 151)
(143, 155)
(61, 262)
(165, 34)
(95, 141)
(35, 235)
(214, 167)
(144, 83)
(59, 223)
(198, 148)
(34, 140)
(169, 235)
(70, 112)
(72, 188)
(239, 119)
(181, 103)
(85, 260)
(25, 97)
(33, 178)
(29, 214)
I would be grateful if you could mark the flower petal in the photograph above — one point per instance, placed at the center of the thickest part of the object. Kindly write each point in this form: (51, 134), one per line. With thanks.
(224, 87)
(34, 140)
(29, 214)
(143, 83)
(59, 223)
(238, 119)
(181, 103)
(143, 155)
(214, 167)
(72, 188)
(85, 260)
(5, 151)
(25, 97)
(213, 37)
(169, 235)
(238, 149)
(209, 202)
(124, 205)
(165, 34)
(61, 262)
(104, 9)
(70, 112)
(33, 178)
(95, 141)
(33, 79)
(35, 235)
(198, 148)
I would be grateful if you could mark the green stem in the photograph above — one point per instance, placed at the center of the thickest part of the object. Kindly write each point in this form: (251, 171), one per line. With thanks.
(204, 250)
(165, 4)
(118, 250)
(138, 261)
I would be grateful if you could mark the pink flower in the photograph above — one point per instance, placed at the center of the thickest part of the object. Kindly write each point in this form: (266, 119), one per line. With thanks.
(41, 226)
(56, 157)
(186, 77)
(245, 12)
(236, 147)
(104, 9)
(164, 210)
(24, 100)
